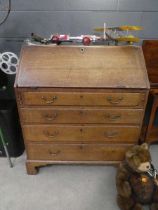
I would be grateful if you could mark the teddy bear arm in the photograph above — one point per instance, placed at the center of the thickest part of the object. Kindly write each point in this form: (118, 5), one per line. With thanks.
(156, 180)
(123, 186)
(122, 174)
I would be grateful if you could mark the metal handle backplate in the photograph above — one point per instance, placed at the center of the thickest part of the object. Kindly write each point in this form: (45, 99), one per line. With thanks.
(51, 135)
(113, 100)
(49, 101)
(54, 153)
(50, 117)
(112, 117)
(111, 134)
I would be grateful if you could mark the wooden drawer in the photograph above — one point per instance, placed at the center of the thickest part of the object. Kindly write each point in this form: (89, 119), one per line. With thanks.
(83, 98)
(79, 115)
(76, 152)
(90, 134)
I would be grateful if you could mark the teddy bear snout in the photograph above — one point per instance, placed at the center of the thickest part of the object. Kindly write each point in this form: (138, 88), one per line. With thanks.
(144, 166)
(147, 167)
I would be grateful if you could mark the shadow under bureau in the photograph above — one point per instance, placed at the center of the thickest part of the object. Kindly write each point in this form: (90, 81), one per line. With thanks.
(80, 104)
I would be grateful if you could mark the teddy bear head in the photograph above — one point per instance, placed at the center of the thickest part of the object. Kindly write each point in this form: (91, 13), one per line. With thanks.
(138, 158)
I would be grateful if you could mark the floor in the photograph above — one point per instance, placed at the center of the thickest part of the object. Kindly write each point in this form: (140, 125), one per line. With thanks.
(59, 187)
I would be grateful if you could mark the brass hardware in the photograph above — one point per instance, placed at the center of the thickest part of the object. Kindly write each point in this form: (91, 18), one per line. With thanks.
(20, 98)
(113, 100)
(82, 50)
(110, 134)
(54, 153)
(112, 117)
(81, 147)
(50, 117)
(49, 101)
(51, 135)
(81, 129)
(143, 97)
(142, 100)
(81, 112)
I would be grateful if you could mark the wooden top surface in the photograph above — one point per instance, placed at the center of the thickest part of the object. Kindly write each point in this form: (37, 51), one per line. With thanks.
(82, 67)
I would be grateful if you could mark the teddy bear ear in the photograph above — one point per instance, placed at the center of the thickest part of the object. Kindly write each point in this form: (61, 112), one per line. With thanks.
(145, 146)
(130, 154)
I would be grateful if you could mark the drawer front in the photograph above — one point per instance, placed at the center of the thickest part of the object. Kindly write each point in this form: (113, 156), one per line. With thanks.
(90, 134)
(78, 115)
(76, 152)
(84, 98)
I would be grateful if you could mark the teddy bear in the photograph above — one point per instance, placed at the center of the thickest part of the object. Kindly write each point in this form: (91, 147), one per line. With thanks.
(137, 180)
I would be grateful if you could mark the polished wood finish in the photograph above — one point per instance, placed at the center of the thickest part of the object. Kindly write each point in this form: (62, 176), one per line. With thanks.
(151, 132)
(81, 115)
(79, 133)
(80, 104)
(83, 99)
(32, 168)
(82, 66)
(150, 50)
(76, 152)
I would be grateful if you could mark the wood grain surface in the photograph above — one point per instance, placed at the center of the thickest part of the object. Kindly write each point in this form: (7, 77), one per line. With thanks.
(82, 66)
(150, 50)
(81, 133)
(83, 98)
(76, 152)
(80, 104)
(81, 115)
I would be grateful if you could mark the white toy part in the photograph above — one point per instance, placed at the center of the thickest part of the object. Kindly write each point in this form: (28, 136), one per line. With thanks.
(8, 62)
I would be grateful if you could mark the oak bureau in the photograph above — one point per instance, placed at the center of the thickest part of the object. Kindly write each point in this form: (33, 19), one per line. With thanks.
(80, 104)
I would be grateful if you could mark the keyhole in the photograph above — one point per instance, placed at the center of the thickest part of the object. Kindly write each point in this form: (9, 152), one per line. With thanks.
(82, 50)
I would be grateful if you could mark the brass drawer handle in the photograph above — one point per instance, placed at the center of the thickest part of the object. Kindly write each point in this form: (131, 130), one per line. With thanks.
(81, 112)
(112, 117)
(110, 134)
(51, 135)
(51, 117)
(113, 100)
(54, 153)
(49, 101)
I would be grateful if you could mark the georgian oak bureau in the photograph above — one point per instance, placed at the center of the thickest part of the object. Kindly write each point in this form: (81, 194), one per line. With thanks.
(80, 104)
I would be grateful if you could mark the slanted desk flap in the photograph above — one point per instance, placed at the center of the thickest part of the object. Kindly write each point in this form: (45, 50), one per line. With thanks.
(82, 66)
